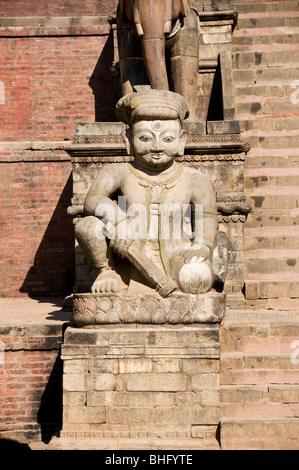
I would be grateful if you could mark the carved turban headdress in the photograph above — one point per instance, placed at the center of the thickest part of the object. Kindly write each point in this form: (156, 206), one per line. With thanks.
(151, 105)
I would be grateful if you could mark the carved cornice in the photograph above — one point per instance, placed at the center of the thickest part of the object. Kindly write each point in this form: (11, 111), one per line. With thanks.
(206, 147)
(101, 159)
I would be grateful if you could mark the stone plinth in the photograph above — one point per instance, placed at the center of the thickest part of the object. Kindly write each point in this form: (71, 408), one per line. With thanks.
(141, 386)
(179, 308)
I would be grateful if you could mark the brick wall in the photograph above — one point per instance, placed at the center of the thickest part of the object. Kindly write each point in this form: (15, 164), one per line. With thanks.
(55, 72)
(30, 383)
(17, 8)
(36, 237)
(53, 83)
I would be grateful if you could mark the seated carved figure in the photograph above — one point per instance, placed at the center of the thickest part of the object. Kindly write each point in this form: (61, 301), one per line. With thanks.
(157, 214)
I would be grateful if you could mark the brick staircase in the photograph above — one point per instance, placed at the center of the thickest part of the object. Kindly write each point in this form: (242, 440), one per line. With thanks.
(266, 74)
(260, 364)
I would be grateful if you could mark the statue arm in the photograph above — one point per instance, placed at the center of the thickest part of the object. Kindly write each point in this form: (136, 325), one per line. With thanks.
(98, 201)
(204, 203)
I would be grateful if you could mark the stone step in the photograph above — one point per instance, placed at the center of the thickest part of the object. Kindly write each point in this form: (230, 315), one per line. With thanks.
(264, 47)
(237, 2)
(274, 203)
(264, 37)
(272, 261)
(270, 242)
(238, 362)
(79, 443)
(268, 20)
(283, 56)
(251, 93)
(276, 290)
(261, 157)
(272, 140)
(246, 394)
(267, 107)
(261, 434)
(273, 199)
(271, 219)
(270, 176)
(269, 124)
(257, 161)
(273, 335)
(243, 402)
(260, 7)
(259, 410)
(260, 377)
(272, 237)
(281, 76)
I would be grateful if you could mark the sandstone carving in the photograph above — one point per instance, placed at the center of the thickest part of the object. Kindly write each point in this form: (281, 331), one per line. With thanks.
(156, 214)
(147, 309)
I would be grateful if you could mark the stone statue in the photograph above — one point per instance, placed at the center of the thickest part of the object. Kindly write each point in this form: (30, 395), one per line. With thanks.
(158, 215)
(152, 34)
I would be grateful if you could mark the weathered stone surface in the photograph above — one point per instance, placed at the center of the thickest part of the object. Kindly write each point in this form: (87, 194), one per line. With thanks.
(156, 383)
(142, 381)
(101, 309)
(223, 127)
(273, 434)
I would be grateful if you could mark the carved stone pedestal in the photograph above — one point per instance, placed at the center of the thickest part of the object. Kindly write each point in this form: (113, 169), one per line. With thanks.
(138, 385)
(148, 309)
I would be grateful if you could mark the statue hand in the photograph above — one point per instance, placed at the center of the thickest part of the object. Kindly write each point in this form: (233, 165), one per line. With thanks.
(121, 242)
(191, 255)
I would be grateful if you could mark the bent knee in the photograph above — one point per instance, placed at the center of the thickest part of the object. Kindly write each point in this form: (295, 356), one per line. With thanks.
(89, 226)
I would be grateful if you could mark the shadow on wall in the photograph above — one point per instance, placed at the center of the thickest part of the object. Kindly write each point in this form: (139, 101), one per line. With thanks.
(52, 273)
(49, 414)
(104, 85)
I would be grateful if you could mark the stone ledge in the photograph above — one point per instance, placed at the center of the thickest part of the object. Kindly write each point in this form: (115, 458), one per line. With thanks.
(132, 444)
(54, 26)
(102, 138)
(189, 342)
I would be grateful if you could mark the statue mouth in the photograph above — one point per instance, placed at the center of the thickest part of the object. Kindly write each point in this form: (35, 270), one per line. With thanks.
(157, 156)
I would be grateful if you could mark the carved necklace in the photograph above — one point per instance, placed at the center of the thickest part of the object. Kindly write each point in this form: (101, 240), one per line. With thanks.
(148, 183)
(156, 194)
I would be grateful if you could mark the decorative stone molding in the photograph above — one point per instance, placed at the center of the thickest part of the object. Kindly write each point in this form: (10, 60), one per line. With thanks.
(232, 218)
(98, 139)
(107, 309)
(83, 156)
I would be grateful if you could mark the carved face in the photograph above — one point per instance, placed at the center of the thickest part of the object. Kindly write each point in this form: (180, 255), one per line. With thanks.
(155, 144)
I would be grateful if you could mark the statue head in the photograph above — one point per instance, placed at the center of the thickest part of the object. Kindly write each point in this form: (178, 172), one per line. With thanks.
(154, 118)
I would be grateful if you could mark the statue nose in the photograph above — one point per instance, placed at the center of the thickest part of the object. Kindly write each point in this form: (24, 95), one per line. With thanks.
(157, 145)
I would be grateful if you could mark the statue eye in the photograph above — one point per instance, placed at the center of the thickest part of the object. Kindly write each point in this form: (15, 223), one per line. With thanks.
(145, 138)
(169, 139)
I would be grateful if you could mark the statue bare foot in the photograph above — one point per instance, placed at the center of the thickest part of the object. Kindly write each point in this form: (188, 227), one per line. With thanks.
(106, 282)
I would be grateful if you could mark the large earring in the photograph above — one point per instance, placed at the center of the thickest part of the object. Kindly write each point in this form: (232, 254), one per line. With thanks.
(182, 143)
(126, 135)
